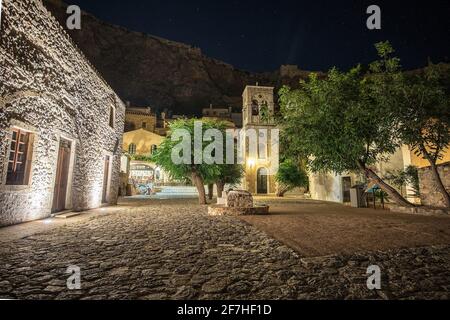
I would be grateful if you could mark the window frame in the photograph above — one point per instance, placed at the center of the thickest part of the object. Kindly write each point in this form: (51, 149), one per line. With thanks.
(31, 151)
(112, 116)
(132, 146)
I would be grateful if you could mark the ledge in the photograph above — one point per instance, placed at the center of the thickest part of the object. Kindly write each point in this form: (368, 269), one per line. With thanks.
(421, 210)
(220, 210)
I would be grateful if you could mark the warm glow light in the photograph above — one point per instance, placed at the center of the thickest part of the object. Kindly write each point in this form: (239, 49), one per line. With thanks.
(250, 163)
(38, 199)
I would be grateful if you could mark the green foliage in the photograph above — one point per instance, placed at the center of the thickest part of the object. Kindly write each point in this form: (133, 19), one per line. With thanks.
(231, 174)
(422, 106)
(210, 173)
(402, 178)
(264, 113)
(141, 157)
(163, 156)
(336, 123)
(291, 175)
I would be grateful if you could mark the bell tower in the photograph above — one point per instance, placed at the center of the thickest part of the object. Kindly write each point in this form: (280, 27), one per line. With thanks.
(258, 105)
(259, 155)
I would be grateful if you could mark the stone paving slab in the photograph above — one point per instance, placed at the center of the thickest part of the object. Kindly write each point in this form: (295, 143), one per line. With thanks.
(177, 251)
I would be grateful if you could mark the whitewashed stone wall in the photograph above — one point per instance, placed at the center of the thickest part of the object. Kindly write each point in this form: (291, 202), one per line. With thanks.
(47, 86)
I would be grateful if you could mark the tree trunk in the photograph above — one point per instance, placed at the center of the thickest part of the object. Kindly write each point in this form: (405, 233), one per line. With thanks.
(197, 180)
(436, 176)
(370, 174)
(281, 191)
(210, 191)
(220, 186)
(440, 184)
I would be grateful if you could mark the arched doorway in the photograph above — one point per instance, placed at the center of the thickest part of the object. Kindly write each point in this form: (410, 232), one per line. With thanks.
(142, 176)
(261, 181)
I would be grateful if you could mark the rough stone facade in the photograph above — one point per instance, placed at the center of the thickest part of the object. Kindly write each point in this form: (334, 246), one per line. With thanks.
(259, 163)
(140, 118)
(49, 89)
(429, 193)
(239, 199)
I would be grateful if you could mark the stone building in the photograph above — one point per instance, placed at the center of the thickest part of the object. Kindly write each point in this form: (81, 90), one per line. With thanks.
(329, 186)
(257, 114)
(140, 144)
(140, 118)
(336, 187)
(224, 114)
(61, 125)
(217, 112)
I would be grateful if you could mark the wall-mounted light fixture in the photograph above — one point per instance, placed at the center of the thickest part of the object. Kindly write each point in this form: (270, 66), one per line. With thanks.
(251, 162)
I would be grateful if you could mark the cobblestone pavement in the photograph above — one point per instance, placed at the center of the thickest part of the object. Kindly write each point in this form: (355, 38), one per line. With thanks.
(178, 252)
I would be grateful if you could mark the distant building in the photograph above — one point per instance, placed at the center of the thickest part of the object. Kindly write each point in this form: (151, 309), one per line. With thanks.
(140, 118)
(222, 113)
(214, 112)
(142, 174)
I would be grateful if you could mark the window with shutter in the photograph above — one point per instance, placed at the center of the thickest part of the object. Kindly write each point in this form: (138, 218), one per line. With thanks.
(19, 161)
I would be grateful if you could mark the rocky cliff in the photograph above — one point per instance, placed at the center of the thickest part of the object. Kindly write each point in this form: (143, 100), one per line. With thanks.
(148, 70)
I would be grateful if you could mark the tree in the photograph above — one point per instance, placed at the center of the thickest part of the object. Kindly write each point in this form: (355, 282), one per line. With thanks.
(197, 173)
(290, 175)
(406, 177)
(229, 174)
(339, 126)
(200, 174)
(421, 105)
(419, 101)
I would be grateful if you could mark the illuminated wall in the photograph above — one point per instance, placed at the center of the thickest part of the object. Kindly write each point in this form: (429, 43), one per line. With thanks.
(135, 119)
(253, 98)
(49, 89)
(142, 139)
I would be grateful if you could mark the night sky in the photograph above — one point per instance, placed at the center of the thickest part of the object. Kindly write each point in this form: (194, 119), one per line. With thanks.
(262, 35)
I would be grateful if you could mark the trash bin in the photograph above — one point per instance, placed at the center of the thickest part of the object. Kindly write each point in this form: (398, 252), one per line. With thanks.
(357, 196)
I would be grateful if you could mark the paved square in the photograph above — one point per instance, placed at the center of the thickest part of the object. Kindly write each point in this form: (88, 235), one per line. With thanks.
(316, 228)
(174, 250)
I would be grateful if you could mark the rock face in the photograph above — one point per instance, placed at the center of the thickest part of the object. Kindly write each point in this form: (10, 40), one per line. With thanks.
(49, 91)
(148, 70)
(239, 199)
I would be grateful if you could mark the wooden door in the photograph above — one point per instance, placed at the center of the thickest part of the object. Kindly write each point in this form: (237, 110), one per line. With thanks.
(261, 182)
(105, 180)
(346, 186)
(62, 176)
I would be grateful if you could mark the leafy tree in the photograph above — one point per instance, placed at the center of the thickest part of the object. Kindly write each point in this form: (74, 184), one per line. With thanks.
(407, 177)
(421, 103)
(229, 174)
(290, 175)
(197, 173)
(339, 126)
